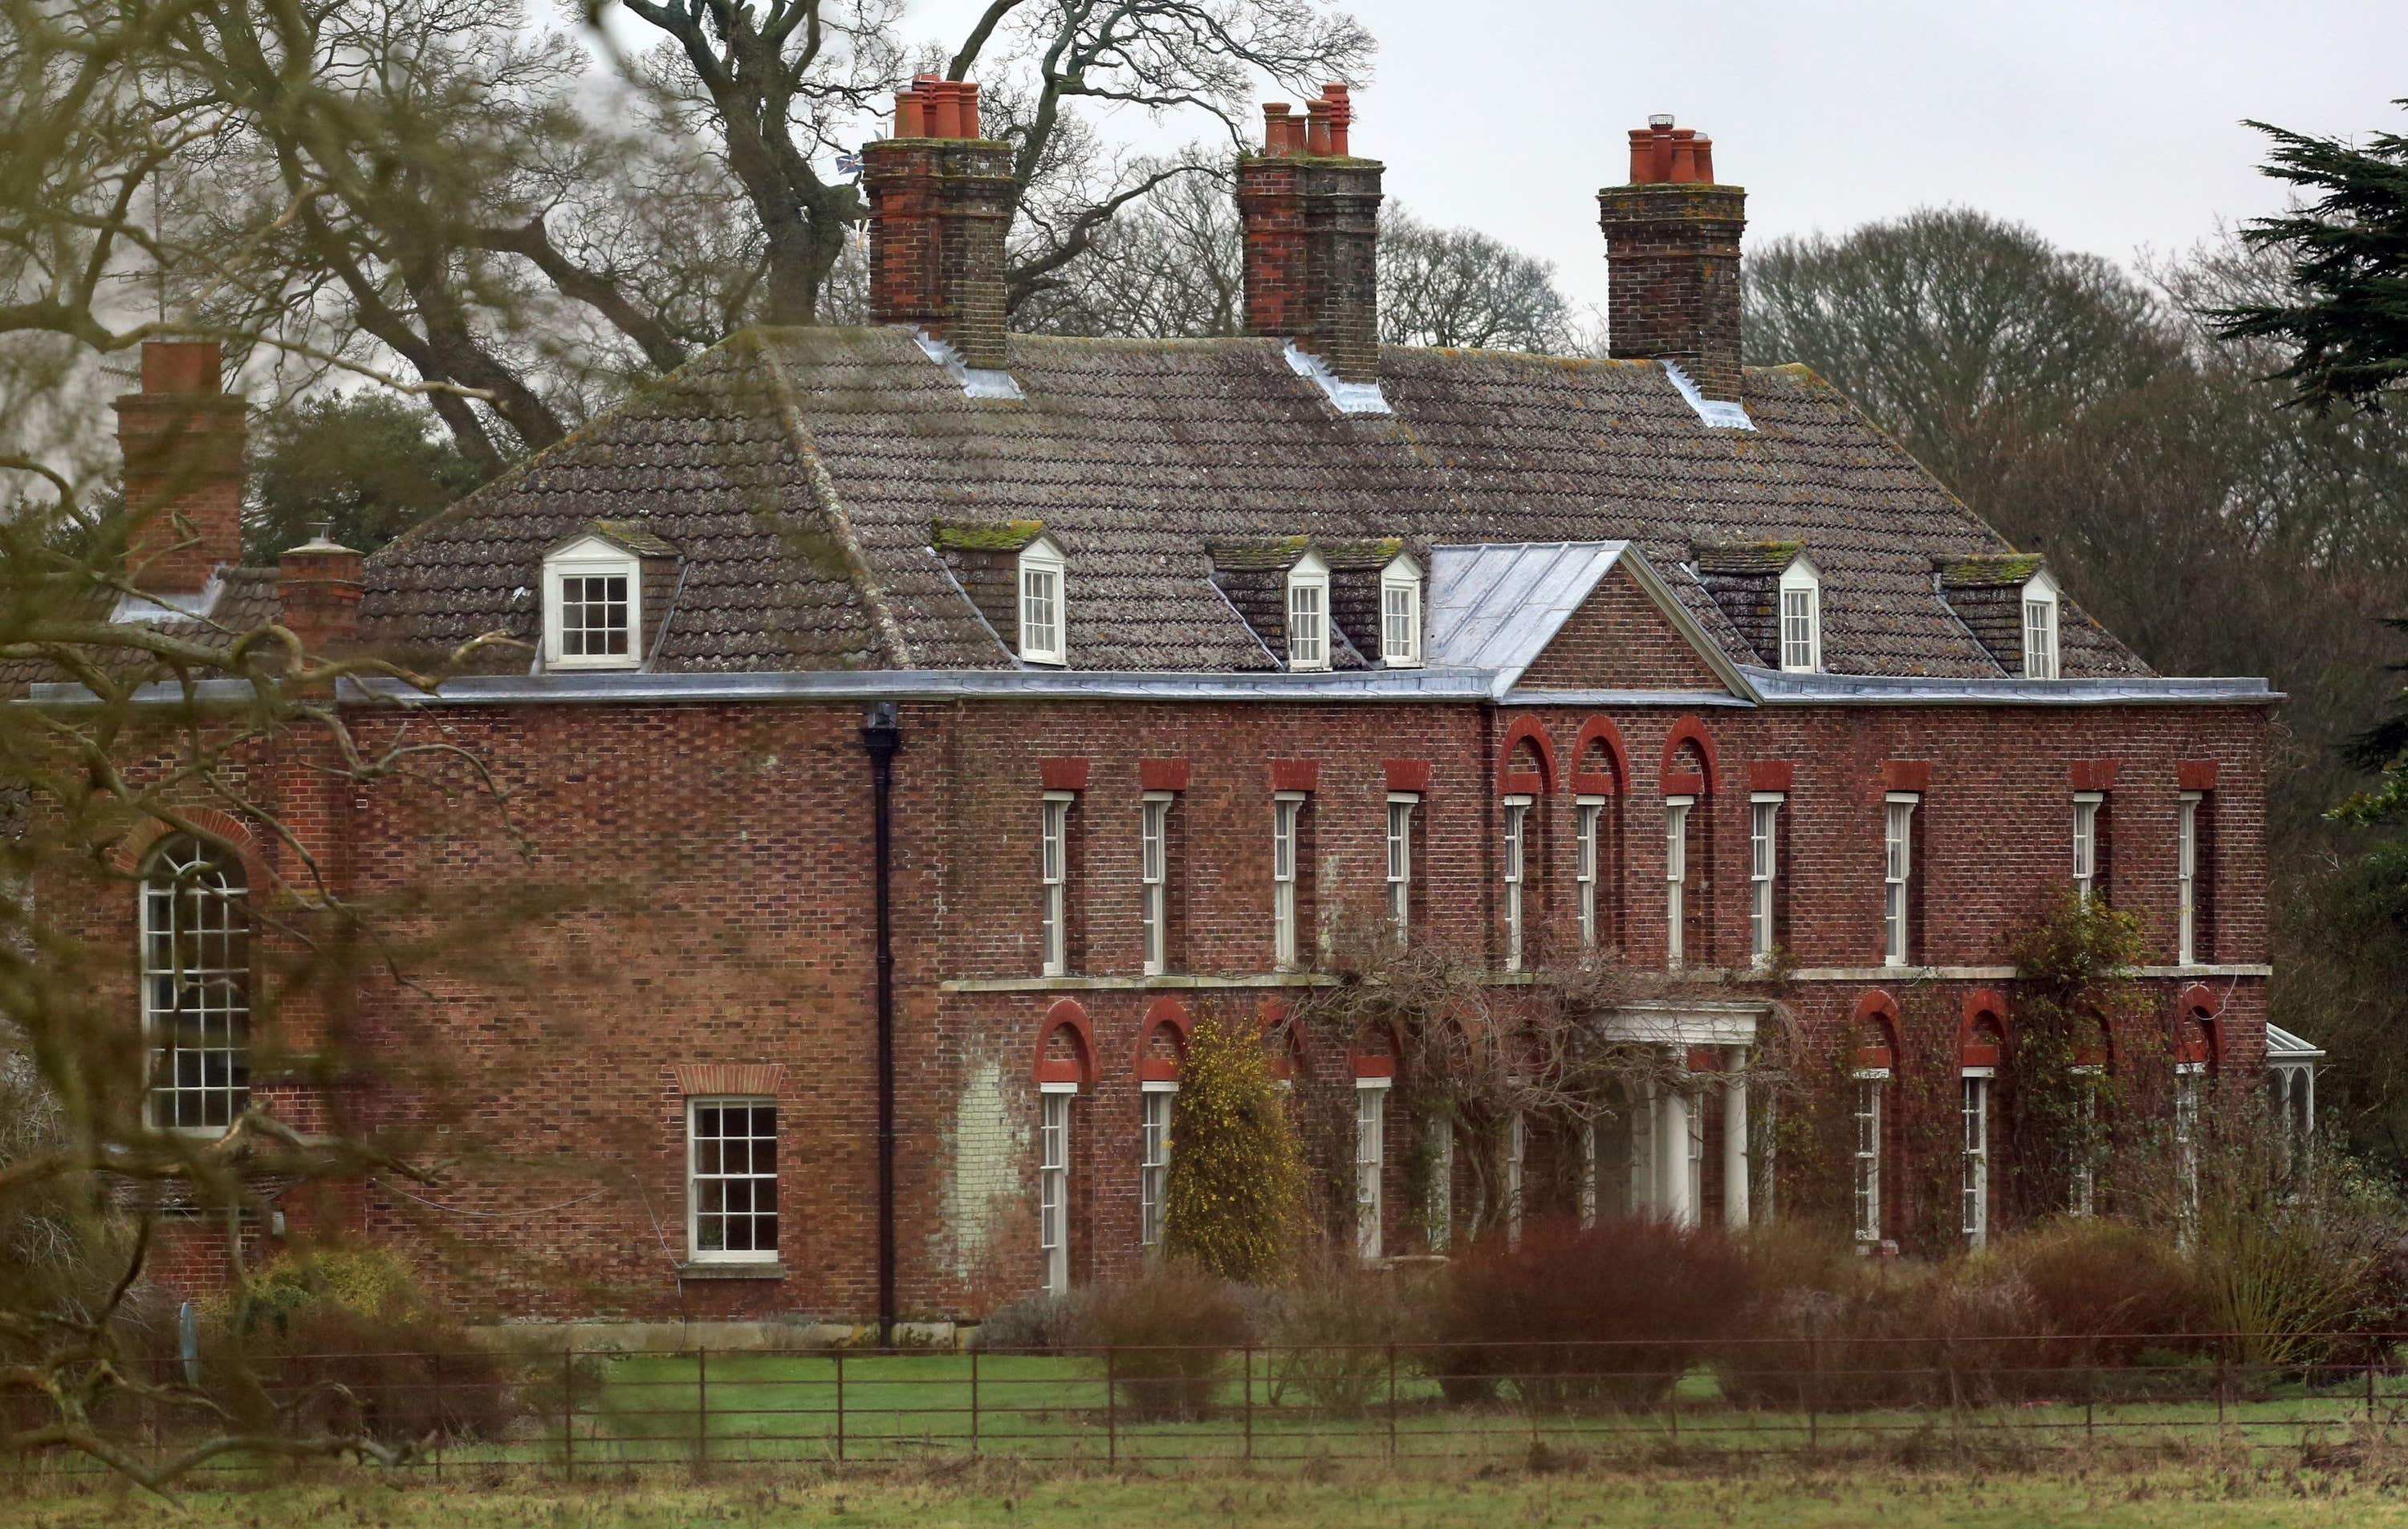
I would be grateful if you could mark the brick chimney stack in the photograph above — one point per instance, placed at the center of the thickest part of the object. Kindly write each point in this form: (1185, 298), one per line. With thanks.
(182, 438)
(1671, 249)
(1311, 216)
(318, 587)
(940, 198)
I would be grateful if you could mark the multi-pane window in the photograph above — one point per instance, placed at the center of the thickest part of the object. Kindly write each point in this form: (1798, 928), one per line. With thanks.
(1975, 1188)
(2188, 1075)
(1043, 637)
(1438, 1210)
(2186, 879)
(1053, 1187)
(196, 987)
(594, 610)
(1589, 1159)
(1517, 1149)
(1153, 876)
(732, 1180)
(1588, 815)
(2040, 628)
(1871, 1086)
(1400, 614)
(1370, 1157)
(1763, 860)
(2083, 1188)
(1287, 813)
(2086, 844)
(1801, 618)
(1053, 867)
(1517, 819)
(1153, 1162)
(1400, 865)
(1897, 863)
(1308, 615)
(1676, 877)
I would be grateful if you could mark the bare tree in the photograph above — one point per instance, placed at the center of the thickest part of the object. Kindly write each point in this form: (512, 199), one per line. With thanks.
(1460, 287)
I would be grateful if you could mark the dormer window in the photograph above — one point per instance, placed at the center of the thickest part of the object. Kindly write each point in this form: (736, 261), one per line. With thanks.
(1801, 618)
(1307, 614)
(2040, 628)
(1044, 618)
(592, 604)
(1400, 614)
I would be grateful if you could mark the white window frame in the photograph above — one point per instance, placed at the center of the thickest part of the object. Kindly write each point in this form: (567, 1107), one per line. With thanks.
(1589, 817)
(1897, 868)
(1763, 867)
(2085, 842)
(1287, 811)
(2292, 1088)
(2190, 1077)
(1974, 1192)
(751, 1177)
(2187, 878)
(1154, 879)
(1801, 618)
(590, 557)
(2083, 1192)
(1054, 872)
(1400, 614)
(1517, 1149)
(1054, 1185)
(1401, 806)
(1589, 1155)
(1371, 1160)
(1307, 599)
(1517, 828)
(194, 911)
(1155, 1102)
(1871, 1102)
(1438, 1210)
(2041, 628)
(1044, 610)
(1676, 878)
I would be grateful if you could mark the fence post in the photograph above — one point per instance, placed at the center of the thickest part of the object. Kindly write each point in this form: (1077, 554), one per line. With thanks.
(1392, 1402)
(568, 1410)
(1112, 1412)
(701, 1408)
(840, 1407)
(974, 1402)
(1249, 1361)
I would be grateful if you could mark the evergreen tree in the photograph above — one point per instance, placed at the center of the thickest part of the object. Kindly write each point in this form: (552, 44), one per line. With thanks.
(365, 464)
(1236, 1172)
(2346, 318)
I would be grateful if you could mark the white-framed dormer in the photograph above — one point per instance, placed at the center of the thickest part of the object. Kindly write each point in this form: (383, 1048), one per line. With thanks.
(1041, 583)
(593, 606)
(1308, 613)
(1400, 613)
(1802, 617)
(2040, 643)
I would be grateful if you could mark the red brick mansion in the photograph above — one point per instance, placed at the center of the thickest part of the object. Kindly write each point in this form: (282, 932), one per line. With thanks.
(934, 722)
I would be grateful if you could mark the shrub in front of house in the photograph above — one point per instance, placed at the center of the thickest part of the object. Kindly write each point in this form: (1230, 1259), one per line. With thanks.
(1168, 1336)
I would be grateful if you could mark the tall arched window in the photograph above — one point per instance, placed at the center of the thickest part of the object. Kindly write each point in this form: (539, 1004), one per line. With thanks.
(196, 986)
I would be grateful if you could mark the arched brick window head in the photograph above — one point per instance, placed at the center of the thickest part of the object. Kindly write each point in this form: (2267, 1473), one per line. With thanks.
(1525, 764)
(1066, 1045)
(1162, 1041)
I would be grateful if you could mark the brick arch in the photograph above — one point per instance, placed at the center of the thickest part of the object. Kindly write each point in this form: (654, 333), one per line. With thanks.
(1689, 730)
(1066, 1027)
(1291, 1059)
(128, 853)
(1513, 780)
(1876, 1029)
(1981, 1038)
(1599, 735)
(2197, 1035)
(1166, 1019)
(1376, 1053)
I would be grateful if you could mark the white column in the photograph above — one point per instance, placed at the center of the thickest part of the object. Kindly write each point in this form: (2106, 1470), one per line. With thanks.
(1680, 1196)
(1735, 1185)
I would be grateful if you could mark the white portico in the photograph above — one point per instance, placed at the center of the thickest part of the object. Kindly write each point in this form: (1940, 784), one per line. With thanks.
(1650, 1154)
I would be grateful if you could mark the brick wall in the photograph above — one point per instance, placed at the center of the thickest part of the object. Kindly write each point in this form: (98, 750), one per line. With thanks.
(1619, 639)
(1672, 255)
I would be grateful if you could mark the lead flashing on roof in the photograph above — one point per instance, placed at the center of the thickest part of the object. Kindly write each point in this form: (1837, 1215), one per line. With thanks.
(976, 381)
(1349, 397)
(1775, 687)
(140, 610)
(1718, 416)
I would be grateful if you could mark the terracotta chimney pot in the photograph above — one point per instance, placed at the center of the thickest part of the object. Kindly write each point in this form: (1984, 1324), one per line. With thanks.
(1705, 148)
(948, 110)
(1685, 156)
(909, 122)
(1274, 129)
(969, 108)
(1642, 156)
(1341, 115)
(1316, 114)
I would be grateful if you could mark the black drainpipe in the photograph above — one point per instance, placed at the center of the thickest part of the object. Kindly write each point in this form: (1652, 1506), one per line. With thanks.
(881, 735)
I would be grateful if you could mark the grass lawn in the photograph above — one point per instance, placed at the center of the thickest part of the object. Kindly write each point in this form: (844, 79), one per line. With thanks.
(2161, 1495)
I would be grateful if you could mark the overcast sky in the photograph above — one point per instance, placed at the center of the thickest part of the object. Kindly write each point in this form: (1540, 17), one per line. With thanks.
(2109, 125)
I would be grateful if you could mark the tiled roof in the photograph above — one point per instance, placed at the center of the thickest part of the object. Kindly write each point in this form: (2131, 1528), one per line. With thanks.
(803, 474)
(246, 601)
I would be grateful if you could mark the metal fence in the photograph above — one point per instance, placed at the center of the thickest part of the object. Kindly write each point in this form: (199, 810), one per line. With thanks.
(576, 1412)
